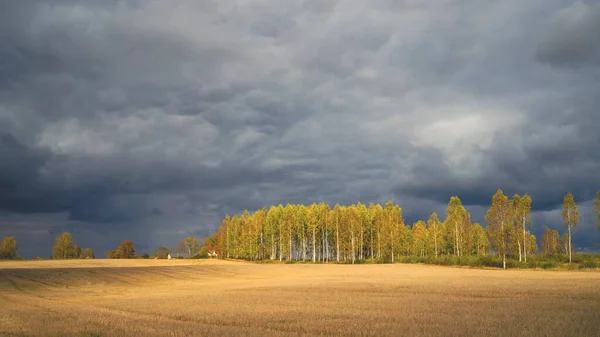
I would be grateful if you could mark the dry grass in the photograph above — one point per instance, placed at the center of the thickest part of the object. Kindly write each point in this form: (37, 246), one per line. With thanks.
(201, 298)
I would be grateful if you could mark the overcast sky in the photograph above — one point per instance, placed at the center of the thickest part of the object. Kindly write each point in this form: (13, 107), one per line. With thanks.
(150, 120)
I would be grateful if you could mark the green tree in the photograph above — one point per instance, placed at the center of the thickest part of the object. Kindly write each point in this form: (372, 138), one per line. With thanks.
(337, 221)
(272, 230)
(112, 254)
(289, 222)
(434, 223)
(8, 250)
(87, 253)
(550, 242)
(498, 218)
(301, 228)
(180, 247)
(376, 214)
(126, 250)
(455, 222)
(63, 246)
(161, 252)
(522, 216)
(354, 226)
(192, 245)
(76, 252)
(480, 239)
(419, 236)
(571, 215)
(394, 227)
(313, 215)
(532, 246)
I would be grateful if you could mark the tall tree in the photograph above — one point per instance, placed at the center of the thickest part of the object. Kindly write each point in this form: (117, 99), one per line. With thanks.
(76, 252)
(481, 242)
(192, 245)
(571, 215)
(287, 229)
(550, 242)
(522, 218)
(524, 215)
(354, 220)
(126, 250)
(161, 252)
(394, 225)
(498, 218)
(87, 253)
(301, 229)
(272, 230)
(455, 220)
(377, 216)
(337, 219)
(8, 250)
(63, 246)
(314, 221)
(180, 247)
(419, 236)
(434, 224)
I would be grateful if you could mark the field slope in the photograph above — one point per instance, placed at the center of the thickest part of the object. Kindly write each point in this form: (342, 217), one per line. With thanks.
(210, 297)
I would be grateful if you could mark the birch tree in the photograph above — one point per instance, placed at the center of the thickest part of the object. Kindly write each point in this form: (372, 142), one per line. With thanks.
(498, 218)
(550, 242)
(301, 228)
(313, 216)
(337, 219)
(434, 223)
(455, 214)
(571, 215)
(419, 235)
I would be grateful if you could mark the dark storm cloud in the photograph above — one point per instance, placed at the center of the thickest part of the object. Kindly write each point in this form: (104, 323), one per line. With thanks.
(572, 39)
(152, 119)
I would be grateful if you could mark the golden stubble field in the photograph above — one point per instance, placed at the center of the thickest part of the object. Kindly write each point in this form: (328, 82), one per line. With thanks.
(223, 298)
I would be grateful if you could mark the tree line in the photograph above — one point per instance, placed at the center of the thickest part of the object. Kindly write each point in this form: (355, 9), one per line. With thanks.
(320, 233)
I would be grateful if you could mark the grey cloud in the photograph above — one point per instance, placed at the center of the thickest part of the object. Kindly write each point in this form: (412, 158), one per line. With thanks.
(572, 39)
(154, 119)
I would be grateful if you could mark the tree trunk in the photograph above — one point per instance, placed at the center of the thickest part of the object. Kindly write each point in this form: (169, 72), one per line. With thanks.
(570, 250)
(392, 236)
(337, 242)
(304, 248)
(353, 251)
(435, 239)
(280, 246)
(524, 241)
(456, 251)
(372, 245)
(314, 244)
(379, 245)
(272, 246)
(361, 244)
(519, 244)
(503, 247)
(326, 245)
(290, 252)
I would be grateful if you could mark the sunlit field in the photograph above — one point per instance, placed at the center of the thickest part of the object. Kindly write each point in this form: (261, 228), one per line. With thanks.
(221, 298)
